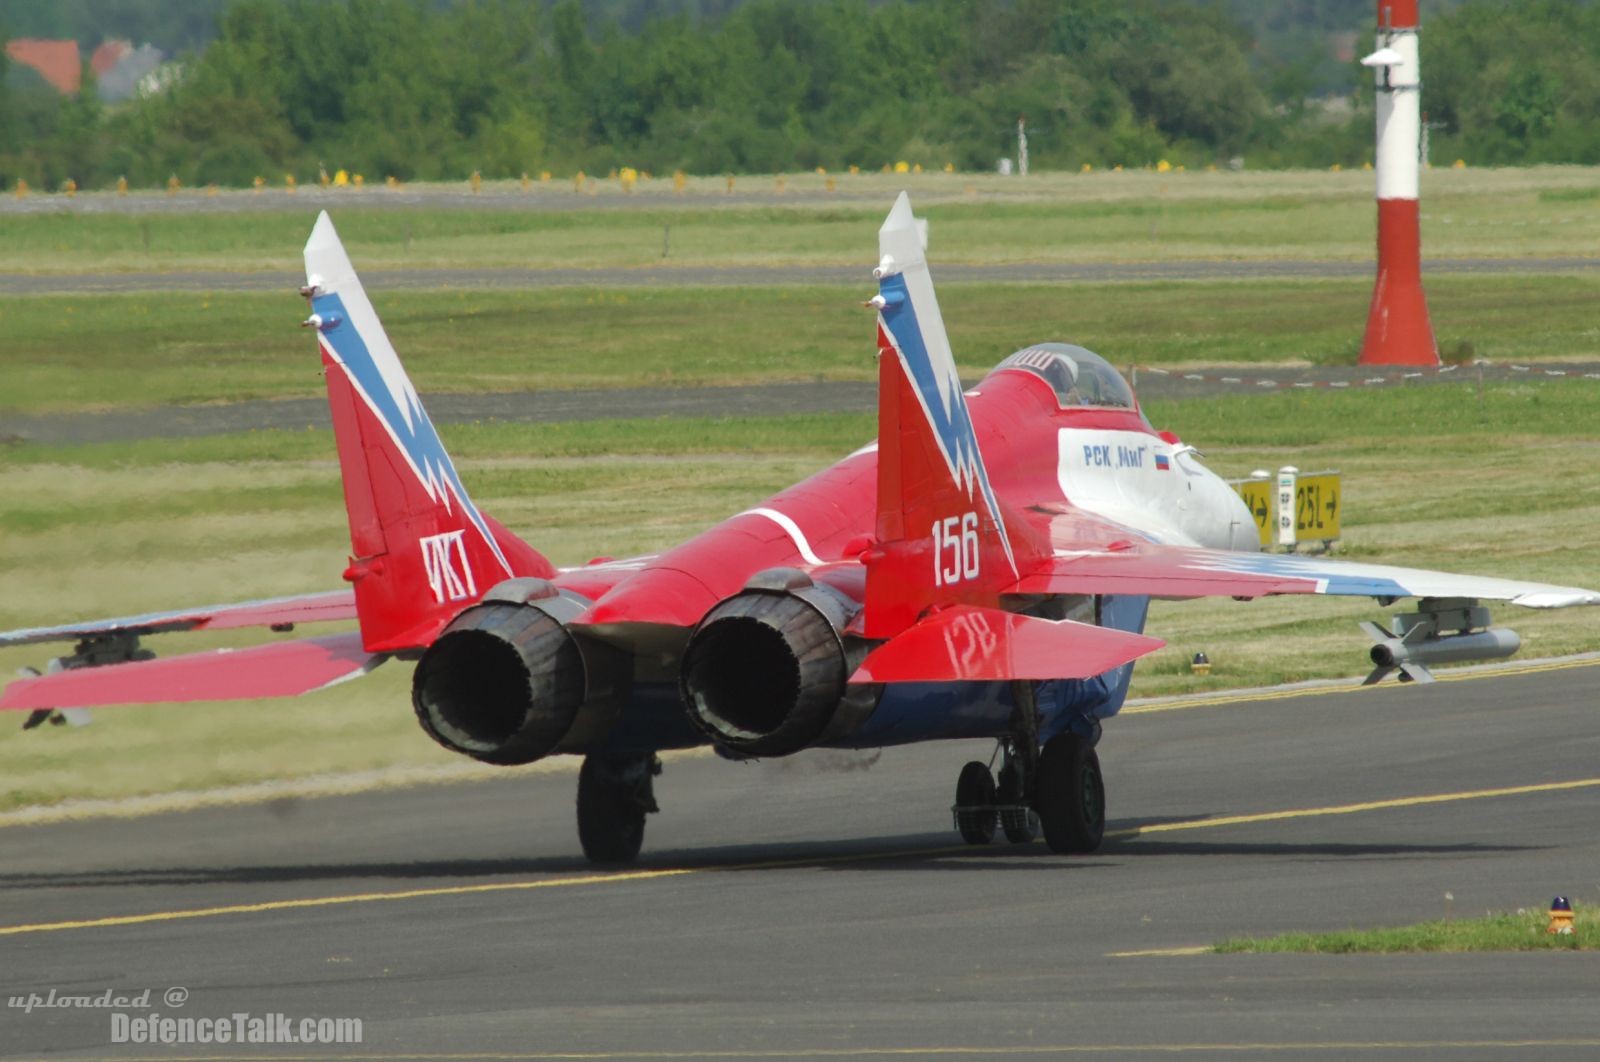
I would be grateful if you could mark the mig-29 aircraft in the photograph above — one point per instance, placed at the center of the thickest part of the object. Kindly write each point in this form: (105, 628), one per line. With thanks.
(982, 571)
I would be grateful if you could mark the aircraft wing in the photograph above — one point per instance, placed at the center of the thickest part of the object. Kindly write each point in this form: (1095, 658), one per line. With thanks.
(280, 669)
(1175, 572)
(272, 612)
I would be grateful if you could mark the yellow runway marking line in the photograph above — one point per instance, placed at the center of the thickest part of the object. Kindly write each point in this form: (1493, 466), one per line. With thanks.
(1204, 949)
(1352, 809)
(1223, 700)
(927, 1051)
(776, 864)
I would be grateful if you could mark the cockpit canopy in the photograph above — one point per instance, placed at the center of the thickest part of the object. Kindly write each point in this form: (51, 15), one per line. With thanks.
(1080, 377)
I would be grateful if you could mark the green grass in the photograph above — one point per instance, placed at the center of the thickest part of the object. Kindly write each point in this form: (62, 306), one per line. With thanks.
(103, 351)
(1134, 216)
(1433, 477)
(1523, 930)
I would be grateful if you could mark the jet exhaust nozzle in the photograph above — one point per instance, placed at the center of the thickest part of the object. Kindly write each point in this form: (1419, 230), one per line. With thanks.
(766, 671)
(507, 682)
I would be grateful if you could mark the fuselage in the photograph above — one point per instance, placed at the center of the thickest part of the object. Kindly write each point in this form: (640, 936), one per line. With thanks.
(1077, 467)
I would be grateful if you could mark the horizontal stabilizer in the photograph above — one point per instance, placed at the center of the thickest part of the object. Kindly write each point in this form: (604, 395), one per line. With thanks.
(969, 644)
(281, 669)
(275, 612)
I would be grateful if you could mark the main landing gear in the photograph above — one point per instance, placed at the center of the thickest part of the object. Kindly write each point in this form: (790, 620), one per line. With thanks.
(1057, 788)
(1060, 791)
(614, 795)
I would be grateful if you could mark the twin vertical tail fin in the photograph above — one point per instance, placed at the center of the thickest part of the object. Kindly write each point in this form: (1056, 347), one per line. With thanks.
(945, 550)
(942, 531)
(421, 550)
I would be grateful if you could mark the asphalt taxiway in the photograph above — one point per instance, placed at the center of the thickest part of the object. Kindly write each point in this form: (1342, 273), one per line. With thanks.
(821, 906)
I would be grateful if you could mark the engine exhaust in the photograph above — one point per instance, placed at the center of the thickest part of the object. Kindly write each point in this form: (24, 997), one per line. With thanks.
(766, 671)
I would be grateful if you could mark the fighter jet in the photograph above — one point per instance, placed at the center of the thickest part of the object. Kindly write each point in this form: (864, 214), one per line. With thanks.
(982, 570)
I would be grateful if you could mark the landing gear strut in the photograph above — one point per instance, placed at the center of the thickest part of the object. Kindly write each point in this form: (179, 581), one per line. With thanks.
(614, 796)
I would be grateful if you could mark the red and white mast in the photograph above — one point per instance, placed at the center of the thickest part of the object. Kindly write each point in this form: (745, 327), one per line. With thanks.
(1398, 329)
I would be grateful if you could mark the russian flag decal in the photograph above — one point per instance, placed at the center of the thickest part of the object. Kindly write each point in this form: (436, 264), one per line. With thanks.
(1162, 464)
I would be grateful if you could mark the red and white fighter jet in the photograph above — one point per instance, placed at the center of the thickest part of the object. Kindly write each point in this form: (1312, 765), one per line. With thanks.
(981, 571)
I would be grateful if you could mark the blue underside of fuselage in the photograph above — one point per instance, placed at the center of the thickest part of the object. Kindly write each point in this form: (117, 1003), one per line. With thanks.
(654, 719)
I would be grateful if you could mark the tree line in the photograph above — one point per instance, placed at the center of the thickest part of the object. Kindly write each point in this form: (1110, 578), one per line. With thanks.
(422, 91)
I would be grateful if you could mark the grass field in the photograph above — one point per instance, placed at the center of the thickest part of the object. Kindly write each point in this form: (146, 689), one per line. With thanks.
(90, 352)
(1506, 484)
(1523, 930)
(1135, 216)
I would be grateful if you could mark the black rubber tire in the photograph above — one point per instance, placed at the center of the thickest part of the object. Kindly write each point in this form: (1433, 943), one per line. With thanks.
(976, 786)
(1071, 797)
(1020, 827)
(610, 816)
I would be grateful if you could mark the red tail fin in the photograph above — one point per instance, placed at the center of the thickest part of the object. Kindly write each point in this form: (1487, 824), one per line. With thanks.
(942, 532)
(422, 550)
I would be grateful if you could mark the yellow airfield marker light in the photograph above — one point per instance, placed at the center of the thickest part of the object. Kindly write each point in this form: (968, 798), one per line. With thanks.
(122, 185)
(1117, 168)
(949, 167)
(391, 181)
(730, 184)
(22, 188)
(1335, 168)
(627, 177)
(289, 183)
(544, 176)
(1086, 168)
(476, 181)
(1366, 165)
(341, 179)
(902, 167)
(173, 184)
(527, 182)
(917, 168)
(211, 190)
(578, 181)
(259, 183)
(71, 188)
(358, 180)
(822, 171)
(1560, 917)
(680, 182)
(1201, 664)
(1459, 164)
(1163, 166)
(855, 171)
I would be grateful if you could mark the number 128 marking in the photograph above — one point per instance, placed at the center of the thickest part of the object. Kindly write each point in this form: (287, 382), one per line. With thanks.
(955, 549)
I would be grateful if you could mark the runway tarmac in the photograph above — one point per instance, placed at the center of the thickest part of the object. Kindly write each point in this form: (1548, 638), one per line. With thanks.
(821, 906)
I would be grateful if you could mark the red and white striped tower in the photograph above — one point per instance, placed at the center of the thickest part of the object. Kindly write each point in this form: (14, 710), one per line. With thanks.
(1398, 329)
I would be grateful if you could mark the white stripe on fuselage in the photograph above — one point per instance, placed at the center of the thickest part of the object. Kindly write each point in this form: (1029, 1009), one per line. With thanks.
(795, 534)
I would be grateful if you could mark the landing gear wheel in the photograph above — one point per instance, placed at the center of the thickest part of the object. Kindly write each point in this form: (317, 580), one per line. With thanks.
(613, 798)
(1071, 796)
(1020, 826)
(975, 788)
